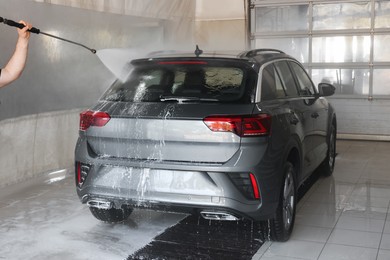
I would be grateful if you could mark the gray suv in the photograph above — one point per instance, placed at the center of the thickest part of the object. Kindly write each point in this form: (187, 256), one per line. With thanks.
(223, 136)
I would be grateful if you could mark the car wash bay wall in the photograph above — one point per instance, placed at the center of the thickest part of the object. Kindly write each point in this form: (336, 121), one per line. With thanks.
(221, 24)
(35, 144)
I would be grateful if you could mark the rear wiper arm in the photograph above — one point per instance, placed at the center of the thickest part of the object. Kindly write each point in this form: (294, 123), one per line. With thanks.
(186, 99)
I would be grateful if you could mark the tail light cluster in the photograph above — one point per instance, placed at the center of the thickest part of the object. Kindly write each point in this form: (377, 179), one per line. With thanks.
(244, 126)
(93, 118)
(247, 184)
(82, 171)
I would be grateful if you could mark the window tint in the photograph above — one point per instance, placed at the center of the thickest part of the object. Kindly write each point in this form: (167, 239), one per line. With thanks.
(305, 86)
(287, 78)
(161, 82)
(271, 87)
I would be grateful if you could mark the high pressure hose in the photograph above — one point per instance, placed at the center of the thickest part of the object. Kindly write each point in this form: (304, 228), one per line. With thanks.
(37, 31)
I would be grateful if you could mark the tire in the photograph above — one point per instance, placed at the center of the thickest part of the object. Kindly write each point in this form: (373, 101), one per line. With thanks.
(282, 224)
(112, 215)
(327, 166)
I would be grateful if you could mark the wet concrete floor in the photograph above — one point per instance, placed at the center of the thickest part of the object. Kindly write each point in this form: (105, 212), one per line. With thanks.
(43, 219)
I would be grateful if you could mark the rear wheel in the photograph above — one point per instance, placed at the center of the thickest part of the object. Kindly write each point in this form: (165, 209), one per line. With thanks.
(327, 165)
(282, 224)
(112, 215)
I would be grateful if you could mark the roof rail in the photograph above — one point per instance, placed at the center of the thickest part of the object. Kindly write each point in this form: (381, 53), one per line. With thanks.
(254, 52)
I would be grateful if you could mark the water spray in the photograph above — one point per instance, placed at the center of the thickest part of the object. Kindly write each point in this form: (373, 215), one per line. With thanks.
(37, 31)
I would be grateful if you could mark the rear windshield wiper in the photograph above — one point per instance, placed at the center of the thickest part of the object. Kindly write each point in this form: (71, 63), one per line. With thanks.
(187, 99)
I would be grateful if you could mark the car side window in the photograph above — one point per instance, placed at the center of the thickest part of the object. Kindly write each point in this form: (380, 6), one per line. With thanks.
(287, 78)
(271, 86)
(305, 85)
(280, 90)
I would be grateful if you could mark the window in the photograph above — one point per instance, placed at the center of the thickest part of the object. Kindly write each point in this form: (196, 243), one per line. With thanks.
(305, 85)
(341, 49)
(342, 16)
(298, 47)
(381, 48)
(280, 90)
(283, 18)
(381, 82)
(382, 13)
(346, 81)
(271, 87)
(287, 78)
(203, 82)
(223, 78)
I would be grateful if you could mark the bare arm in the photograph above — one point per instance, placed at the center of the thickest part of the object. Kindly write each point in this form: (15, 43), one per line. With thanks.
(16, 64)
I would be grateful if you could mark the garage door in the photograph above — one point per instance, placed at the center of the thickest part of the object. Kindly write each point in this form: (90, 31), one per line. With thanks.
(341, 42)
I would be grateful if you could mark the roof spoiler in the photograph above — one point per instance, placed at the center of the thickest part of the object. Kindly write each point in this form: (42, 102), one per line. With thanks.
(252, 53)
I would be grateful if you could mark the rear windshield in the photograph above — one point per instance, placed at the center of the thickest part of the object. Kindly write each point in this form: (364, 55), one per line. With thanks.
(185, 81)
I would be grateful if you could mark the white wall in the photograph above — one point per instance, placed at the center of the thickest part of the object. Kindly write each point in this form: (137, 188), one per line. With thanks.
(59, 75)
(35, 144)
(362, 119)
(219, 9)
(221, 24)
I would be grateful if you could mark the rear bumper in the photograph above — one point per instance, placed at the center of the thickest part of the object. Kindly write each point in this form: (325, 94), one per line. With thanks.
(178, 191)
(188, 188)
(231, 207)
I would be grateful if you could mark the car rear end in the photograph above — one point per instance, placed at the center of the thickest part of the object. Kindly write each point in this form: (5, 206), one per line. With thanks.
(181, 134)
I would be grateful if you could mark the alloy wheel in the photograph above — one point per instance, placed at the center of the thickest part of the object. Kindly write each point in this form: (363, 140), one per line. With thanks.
(332, 149)
(288, 200)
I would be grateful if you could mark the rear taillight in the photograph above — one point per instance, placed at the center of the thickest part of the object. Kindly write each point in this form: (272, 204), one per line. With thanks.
(93, 118)
(82, 171)
(252, 125)
(246, 183)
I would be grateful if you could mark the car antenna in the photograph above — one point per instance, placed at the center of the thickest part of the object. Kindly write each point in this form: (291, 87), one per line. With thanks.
(198, 51)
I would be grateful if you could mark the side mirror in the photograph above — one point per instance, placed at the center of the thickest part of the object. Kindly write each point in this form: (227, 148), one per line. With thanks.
(326, 89)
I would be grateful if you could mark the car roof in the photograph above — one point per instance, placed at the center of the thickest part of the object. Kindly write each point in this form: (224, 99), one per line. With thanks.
(259, 56)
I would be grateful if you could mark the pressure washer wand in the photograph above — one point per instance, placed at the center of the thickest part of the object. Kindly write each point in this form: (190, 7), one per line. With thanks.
(37, 31)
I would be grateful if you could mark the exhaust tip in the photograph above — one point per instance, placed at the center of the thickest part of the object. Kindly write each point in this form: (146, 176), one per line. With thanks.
(213, 215)
(100, 204)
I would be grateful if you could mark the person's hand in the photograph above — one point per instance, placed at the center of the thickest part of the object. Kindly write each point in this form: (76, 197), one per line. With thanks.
(24, 33)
